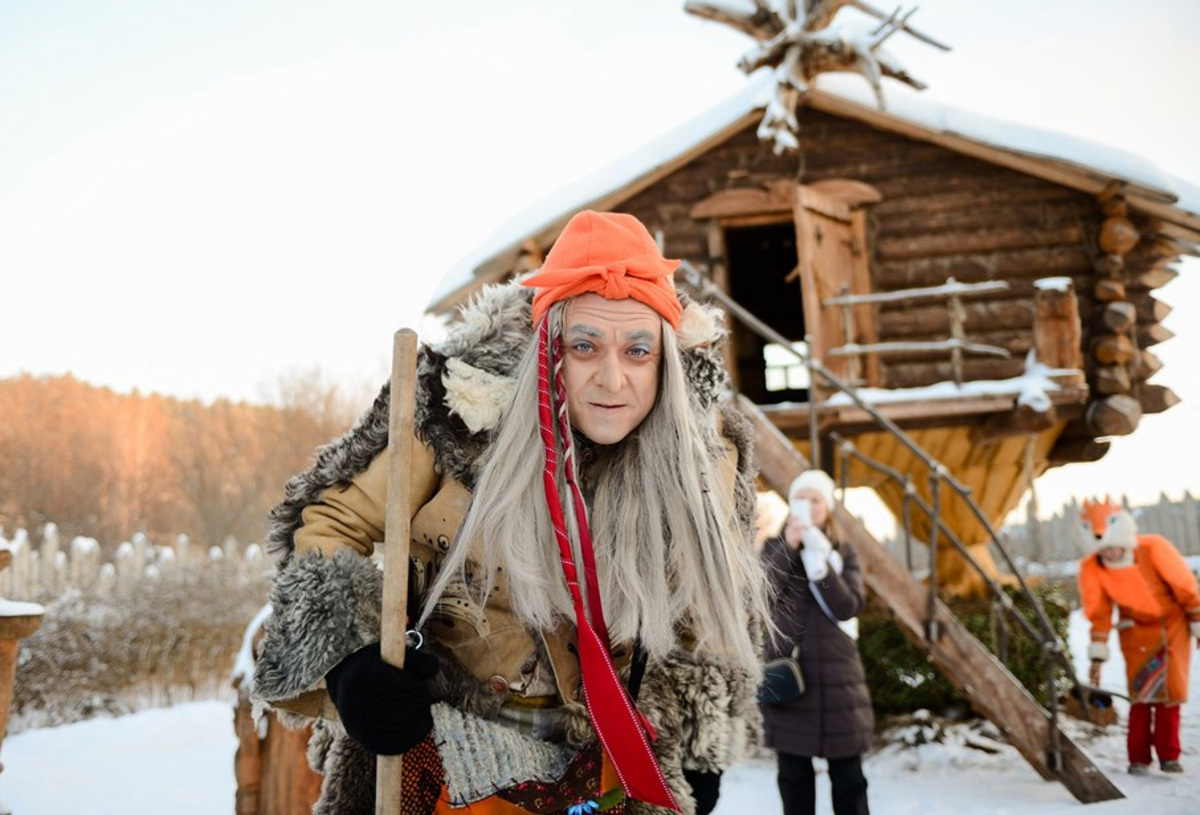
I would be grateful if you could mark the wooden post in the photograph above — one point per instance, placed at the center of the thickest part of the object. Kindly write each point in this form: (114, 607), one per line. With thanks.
(396, 542)
(958, 316)
(17, 621)
(848, 333)
(1057, 330)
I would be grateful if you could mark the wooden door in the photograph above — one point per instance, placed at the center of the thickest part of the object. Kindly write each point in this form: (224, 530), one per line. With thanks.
(831, 244)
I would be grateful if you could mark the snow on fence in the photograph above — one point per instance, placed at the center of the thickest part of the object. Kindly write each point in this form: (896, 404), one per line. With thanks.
(1051, 547)
(43, 573)
(1056, 539)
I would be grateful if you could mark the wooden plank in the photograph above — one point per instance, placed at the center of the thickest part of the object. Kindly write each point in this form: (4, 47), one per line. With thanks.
(899, 208)
(793, 419)
(991, 688)
(903, 247)
(774, 198)
(981, 214)
(967, 267)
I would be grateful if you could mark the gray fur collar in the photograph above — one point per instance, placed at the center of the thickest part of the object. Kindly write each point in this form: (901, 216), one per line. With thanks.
(460, 384)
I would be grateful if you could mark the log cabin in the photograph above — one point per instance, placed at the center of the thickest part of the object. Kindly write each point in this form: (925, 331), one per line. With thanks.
(989, 287)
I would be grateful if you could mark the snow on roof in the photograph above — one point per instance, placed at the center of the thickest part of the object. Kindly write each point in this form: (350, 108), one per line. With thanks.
(912, 108)
(1030, 388)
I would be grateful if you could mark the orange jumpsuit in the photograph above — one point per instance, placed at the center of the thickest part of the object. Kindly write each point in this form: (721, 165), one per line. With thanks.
(1155, 598)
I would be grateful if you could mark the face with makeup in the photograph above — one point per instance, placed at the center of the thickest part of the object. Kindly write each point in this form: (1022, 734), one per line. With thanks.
(612, 350)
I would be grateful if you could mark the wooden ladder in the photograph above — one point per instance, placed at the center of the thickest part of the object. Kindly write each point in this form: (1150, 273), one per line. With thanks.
(991, 688)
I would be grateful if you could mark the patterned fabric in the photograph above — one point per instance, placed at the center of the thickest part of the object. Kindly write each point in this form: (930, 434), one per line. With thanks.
(1149, 680)
(580, 790)
(421, 779)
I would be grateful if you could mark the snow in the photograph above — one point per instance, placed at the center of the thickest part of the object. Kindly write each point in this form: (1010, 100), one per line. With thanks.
(1030, 388)
(13, 608)
(180, 759)
(243, 663)
(1053, 283)
(177, 760)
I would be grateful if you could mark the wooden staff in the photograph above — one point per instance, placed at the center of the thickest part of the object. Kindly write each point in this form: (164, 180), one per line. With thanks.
(396, 541)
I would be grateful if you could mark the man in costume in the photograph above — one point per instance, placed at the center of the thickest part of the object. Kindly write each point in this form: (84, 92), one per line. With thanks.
(1155, 595)
(585, 590)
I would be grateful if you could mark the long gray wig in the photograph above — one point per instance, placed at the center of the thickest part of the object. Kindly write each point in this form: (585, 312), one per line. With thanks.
(670, 555)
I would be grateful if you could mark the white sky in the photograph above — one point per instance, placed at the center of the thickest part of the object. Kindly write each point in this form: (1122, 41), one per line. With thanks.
(198, 197)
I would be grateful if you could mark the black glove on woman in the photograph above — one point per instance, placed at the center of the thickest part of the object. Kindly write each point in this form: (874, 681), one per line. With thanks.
(383, 708)
(706, 788)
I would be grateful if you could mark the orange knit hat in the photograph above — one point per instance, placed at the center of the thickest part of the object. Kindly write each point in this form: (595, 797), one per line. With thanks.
(611, 254)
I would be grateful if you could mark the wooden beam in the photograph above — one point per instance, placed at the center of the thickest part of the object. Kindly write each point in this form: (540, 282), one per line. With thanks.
(991, 688)
(775, 197)
(1116, 415)
(1022, 421)
(1076, 451)
(1110, 379)
(1157, 398)
(793, 418)
(1148, 364)
(1113, 349)
(1153, 278)
(1153, 334)
(1119, 318)
(955, 243)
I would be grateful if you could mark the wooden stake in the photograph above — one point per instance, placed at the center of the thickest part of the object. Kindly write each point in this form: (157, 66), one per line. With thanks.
(396, 542)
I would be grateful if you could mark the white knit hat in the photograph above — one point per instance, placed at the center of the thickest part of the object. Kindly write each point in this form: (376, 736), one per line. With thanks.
(815, 480)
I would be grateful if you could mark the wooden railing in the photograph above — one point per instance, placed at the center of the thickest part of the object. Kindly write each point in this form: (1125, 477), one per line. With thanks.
(957, 343)
(942, 635)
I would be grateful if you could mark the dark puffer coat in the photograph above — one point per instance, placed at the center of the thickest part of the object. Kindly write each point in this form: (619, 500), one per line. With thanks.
(833, 719)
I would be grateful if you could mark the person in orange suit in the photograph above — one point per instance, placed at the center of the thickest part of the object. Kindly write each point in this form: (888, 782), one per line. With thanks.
(1157, 602)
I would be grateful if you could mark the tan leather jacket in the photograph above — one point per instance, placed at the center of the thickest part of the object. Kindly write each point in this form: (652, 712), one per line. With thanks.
(490, 643)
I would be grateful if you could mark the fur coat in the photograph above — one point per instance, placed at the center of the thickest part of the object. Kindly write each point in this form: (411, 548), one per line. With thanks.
(324, 608)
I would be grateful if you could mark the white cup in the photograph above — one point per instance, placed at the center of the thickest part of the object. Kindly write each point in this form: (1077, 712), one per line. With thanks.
(801, 510)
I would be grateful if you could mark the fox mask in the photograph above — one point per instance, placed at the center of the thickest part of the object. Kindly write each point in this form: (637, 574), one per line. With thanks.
(1103, 523)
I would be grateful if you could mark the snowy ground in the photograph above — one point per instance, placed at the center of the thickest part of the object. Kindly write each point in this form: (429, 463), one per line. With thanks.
(180, 760)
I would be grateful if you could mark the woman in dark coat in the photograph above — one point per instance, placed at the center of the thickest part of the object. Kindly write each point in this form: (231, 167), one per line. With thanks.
(832, 719)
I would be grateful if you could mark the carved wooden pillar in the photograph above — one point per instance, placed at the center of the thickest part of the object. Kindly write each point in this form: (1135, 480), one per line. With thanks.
(17, 621)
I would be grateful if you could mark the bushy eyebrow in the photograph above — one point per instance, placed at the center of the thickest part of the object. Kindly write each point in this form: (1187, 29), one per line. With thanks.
(637, 335)
(585, 330)
(641, 335)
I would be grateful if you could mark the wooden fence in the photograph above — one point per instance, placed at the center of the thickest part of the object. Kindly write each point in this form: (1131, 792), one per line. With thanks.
(45, 571)
(1057, 539)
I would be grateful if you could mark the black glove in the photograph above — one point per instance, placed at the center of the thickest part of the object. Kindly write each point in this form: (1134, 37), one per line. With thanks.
(706, 787)
(383, 708)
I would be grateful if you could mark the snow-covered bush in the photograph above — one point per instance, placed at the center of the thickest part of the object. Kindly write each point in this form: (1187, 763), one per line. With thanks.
(167, 640)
